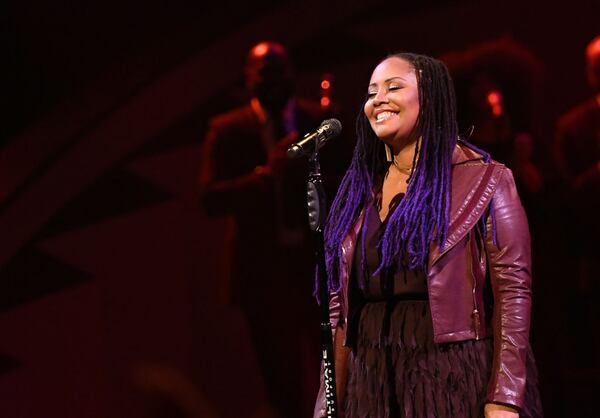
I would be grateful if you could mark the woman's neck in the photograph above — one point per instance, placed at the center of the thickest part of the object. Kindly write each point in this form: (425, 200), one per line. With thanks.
(403, 155)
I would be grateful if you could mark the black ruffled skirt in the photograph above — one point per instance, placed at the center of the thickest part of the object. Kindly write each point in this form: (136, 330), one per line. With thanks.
(396, 370)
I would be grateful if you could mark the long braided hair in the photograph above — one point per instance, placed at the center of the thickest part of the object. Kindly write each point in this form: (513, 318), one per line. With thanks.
(422, 215)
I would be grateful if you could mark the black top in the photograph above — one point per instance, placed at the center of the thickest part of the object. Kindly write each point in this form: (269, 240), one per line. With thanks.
(405, 283)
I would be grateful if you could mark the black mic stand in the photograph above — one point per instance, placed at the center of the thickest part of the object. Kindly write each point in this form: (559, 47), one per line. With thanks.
(317, 214)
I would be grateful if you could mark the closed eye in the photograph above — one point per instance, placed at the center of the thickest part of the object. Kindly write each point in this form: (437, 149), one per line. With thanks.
(372, 94)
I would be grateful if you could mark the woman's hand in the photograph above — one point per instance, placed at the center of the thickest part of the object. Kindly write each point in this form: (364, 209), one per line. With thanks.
(493, 410)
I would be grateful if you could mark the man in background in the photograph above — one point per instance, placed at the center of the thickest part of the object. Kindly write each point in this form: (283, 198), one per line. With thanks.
(577, 156)
(246, 175)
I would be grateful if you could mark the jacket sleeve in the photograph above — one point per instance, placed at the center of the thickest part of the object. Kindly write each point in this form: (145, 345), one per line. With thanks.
(335, 306)
(509, 257)
(222, 189)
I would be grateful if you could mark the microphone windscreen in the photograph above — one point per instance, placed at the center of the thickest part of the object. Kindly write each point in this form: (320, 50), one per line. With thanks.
(334, 126)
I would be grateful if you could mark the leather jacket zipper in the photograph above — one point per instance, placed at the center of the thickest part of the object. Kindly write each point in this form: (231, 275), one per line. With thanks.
(475, 313)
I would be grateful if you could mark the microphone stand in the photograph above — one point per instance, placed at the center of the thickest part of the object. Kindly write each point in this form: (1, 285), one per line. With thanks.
(317, 214)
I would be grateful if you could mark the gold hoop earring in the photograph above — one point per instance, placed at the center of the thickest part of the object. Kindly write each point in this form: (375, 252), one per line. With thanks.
(388, 153)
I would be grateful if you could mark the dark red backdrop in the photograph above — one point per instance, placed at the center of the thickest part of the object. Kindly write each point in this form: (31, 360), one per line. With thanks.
(111, 277)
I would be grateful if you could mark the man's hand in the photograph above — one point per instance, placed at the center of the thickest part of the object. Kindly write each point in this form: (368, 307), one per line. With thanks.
(277, 158)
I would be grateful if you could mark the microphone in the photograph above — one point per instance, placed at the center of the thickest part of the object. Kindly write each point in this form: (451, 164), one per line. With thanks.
(328, 129)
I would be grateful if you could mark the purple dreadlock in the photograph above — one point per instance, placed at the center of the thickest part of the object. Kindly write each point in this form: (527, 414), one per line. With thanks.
(422, 215)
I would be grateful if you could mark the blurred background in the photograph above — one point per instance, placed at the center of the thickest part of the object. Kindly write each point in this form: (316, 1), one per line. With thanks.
(114, 298)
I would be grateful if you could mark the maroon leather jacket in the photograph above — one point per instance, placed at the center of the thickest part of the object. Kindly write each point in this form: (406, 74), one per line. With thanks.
(457, 273)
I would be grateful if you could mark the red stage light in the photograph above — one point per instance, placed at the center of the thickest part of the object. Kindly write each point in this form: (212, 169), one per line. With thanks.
(494, 99)
(260, 49)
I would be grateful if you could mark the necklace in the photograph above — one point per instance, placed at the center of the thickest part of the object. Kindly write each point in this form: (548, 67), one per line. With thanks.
(403, 170)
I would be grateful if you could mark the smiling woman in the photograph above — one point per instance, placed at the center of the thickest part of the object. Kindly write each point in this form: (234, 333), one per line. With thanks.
(392, 104)
(429, 263)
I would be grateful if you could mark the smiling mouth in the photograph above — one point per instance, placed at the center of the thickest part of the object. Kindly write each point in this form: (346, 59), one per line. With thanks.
(383, 116)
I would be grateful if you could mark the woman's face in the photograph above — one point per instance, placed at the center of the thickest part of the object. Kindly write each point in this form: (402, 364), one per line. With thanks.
(392, 105)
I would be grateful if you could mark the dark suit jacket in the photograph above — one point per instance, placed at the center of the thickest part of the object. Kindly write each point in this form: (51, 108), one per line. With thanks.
(258, 204)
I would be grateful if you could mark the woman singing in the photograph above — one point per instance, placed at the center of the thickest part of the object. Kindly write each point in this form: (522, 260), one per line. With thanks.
(428, 258)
